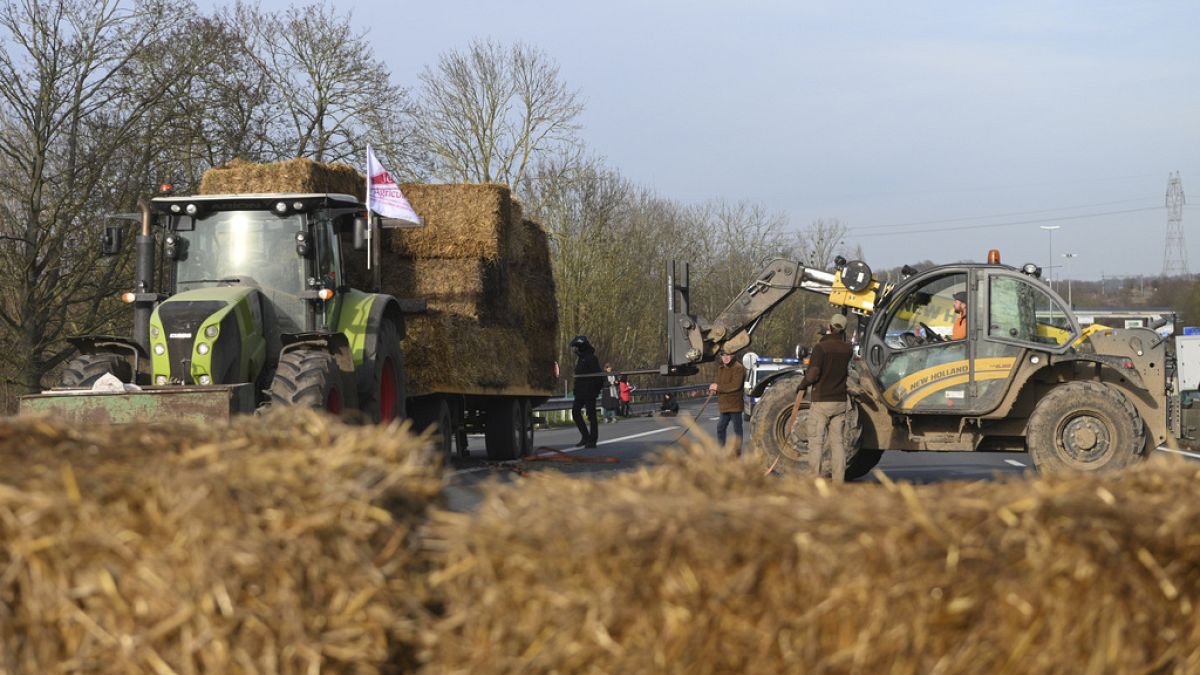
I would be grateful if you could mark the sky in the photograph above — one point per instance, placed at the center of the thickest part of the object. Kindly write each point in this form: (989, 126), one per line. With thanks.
(932, 130)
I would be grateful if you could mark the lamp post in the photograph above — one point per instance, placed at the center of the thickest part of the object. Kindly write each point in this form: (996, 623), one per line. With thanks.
(1050, 258)
(1067, 271)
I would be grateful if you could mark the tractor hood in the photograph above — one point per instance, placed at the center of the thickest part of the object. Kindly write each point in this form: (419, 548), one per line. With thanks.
(207, 336)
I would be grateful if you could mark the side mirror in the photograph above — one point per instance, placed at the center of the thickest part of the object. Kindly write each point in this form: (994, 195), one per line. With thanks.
(360, 234)
(111, 240)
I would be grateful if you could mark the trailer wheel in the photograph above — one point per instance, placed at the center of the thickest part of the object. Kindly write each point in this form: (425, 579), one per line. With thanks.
(83, 370)
(526, 427)
(504, 429)
(770, 443)
(435, 413)
(384, 401)
(1084, 426)
(308, 378)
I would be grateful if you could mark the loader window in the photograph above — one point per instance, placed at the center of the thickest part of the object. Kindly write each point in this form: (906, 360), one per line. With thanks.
(925, 315)
(1020, 311)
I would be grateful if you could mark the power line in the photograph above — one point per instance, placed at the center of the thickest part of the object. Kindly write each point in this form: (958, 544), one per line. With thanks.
(997, 215)
(1010, 223)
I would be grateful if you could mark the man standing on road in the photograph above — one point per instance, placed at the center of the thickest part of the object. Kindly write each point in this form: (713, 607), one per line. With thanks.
(828, 402)
(728, 388)
(586, 391)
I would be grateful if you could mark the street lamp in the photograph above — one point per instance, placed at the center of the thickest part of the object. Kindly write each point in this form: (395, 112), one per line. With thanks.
(1067, 271)
(1050, 264)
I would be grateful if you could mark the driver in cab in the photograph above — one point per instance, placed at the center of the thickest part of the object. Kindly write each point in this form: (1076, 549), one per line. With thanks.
(960, 320)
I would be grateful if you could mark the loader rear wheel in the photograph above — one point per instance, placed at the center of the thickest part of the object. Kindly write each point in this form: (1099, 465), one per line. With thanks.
(504, 429)
(1084, 426)
(83, 370)
(308, 378)
(384, 401)
(770, 443)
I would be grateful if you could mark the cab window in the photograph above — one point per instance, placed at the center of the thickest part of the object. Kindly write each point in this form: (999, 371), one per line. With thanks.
(926, 314)
(1022, 312)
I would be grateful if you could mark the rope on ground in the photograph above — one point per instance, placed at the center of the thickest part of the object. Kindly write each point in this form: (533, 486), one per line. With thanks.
(549, 454)
(694, 423)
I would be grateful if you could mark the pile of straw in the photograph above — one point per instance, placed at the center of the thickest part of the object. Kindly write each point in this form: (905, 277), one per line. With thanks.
(702, 565)
(293, 175)
(274, 545)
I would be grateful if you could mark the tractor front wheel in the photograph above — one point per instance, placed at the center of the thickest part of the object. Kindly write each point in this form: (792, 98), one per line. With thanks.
(384, 401)
(83, 370)
(309, 378)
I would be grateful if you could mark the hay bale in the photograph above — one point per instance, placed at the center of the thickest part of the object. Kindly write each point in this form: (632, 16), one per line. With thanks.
(703, 565)
(461, 221)
(293, 175)
(284, 544)
(447, 352)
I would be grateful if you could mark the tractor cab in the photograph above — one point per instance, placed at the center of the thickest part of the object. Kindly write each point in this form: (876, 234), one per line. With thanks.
(250, 270)
(923, 363)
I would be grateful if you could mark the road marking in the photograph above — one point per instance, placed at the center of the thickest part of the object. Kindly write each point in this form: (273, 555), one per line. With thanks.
(476, 469)
(1185, 453)
(1014, 463)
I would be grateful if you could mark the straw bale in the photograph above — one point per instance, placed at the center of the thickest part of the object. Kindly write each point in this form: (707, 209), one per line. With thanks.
(293, 175)
(285, 544)
(461, 221)
(448, 352)
(703, 565)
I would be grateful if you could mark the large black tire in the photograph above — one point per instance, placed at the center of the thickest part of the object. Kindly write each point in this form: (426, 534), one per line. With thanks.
(310, 378)
(1082, 427)
(435, 413)
(770, 443)
(504, 429)
(83, 370)
(526, 427)
(384, 400)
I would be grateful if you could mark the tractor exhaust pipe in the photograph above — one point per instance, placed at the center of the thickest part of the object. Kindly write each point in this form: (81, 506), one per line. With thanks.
(143, 303)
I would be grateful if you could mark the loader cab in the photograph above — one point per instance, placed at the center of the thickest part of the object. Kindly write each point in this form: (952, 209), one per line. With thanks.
(920, 366)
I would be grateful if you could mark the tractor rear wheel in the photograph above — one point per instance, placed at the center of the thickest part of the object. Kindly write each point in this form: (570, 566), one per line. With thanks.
(384, 401)
(83, 370)
(504, 429)
(770, 442)
(309, 378)
(1084, 426)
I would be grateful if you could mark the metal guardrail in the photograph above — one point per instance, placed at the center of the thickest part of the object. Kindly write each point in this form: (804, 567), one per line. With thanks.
(564, 403)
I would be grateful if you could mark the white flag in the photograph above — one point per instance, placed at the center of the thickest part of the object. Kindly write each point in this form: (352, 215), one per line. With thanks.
(383, 194)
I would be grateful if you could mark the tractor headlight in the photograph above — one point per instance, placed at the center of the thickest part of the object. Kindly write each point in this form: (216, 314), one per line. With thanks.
(281, 207)
(160, 349)
(202, 348)
(154, 331)
(211, 331)
(204, 379)
(191, 209)
(160, 380)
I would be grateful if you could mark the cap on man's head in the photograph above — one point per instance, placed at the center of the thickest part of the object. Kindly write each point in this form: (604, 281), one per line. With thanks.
(838, 321)
(961, 296)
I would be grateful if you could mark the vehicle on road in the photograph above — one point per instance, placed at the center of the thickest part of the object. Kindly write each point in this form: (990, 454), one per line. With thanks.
(1026, 378)
(760, 373)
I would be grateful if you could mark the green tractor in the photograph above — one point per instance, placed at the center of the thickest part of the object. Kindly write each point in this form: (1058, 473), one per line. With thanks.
(252, 308)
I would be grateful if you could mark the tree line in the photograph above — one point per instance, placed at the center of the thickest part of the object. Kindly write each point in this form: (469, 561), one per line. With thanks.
(102, 101)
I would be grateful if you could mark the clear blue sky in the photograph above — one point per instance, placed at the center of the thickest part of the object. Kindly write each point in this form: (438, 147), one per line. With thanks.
(876, 113)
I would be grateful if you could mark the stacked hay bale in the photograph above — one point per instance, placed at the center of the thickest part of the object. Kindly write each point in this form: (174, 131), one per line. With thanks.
(282, 545)
(293, 175)
(702, 565)
(485, 272)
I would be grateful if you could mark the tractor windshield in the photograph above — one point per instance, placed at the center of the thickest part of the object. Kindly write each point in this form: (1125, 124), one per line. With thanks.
(252, 248)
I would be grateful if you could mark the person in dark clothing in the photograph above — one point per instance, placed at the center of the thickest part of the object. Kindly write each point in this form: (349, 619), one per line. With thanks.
(669, 407)
(728, 388)
(586, 391)
(828, 404)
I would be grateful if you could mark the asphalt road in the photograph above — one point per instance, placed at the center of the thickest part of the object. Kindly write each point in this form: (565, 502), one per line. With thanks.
(629, 443)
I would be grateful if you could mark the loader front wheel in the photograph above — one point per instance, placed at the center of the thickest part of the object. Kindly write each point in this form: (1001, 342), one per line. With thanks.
(309, 378)
(788, 454)
(83, 370)
(1084, 426)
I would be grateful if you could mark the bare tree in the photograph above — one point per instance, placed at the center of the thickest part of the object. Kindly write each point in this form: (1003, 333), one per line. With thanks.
(331, 96)
(490, 113)
(68, 112)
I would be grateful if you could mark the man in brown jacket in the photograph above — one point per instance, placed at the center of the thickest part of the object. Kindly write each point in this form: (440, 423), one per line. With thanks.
(828, 404)
(728, 388)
